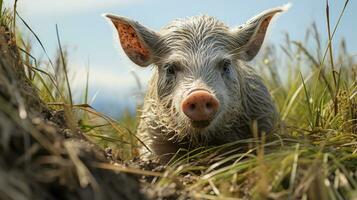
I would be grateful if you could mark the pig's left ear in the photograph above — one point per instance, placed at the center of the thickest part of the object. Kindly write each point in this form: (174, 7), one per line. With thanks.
(250, 36)
(137, 41)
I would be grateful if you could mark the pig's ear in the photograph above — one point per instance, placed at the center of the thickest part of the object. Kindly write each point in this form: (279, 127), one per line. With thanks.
(250, 36)
(136, 40)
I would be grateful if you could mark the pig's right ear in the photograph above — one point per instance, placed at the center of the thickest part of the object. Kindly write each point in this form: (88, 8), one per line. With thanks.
(250, 36)
(136, 40)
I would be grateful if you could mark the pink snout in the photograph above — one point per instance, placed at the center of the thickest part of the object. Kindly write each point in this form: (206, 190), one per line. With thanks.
(200, 106)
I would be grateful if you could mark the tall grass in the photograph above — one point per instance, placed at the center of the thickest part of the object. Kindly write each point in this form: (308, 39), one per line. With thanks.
(52, 77)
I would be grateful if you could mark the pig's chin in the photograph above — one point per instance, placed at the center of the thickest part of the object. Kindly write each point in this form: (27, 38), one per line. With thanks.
(200, 124)
(204, 125)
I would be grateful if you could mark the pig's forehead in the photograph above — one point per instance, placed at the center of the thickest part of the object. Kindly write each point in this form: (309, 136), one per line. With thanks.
(197, 25)
(200, 21)
(196, 34)
(197, 58)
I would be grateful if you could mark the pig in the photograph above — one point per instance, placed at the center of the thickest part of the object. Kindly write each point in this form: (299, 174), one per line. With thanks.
(202, 91)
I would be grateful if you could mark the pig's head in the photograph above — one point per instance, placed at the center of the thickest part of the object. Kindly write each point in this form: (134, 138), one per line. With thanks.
(198, 64)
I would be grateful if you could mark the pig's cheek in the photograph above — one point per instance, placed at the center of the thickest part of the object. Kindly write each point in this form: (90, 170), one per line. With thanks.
(177, 99)
(223, 98)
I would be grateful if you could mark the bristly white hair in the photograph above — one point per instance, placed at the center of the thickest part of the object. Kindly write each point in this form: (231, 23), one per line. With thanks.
(197, 45)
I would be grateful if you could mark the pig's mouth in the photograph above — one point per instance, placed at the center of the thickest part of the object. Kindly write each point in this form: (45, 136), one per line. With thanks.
(200, 124)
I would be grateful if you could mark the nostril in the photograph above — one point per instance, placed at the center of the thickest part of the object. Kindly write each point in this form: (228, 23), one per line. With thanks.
(192, 106)
(208, 105)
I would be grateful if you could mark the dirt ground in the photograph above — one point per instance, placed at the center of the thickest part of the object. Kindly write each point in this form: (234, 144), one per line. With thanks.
(41, 155)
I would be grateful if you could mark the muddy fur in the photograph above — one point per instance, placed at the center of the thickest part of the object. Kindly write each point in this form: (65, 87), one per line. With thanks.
(200, 52)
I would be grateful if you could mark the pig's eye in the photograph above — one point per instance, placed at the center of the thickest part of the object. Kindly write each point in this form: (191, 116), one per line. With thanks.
(226, 66)
(171, 69)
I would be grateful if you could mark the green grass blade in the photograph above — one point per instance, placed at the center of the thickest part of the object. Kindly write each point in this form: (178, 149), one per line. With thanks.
(307, 102)
(37, 39)
(65, 70)
(86, 91)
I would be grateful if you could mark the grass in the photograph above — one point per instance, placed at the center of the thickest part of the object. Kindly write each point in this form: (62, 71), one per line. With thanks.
(313, 155)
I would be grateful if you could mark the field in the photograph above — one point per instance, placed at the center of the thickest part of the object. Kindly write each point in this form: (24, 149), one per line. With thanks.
(312, 155)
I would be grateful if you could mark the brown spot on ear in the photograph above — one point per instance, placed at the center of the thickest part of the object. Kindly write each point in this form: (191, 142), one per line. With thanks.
(264, 25)
(131, 42)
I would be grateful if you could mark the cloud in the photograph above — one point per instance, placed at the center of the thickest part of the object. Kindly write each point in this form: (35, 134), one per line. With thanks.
(62, 7)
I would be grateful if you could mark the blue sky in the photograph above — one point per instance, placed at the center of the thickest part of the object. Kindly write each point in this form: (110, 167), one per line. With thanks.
(88, 36)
